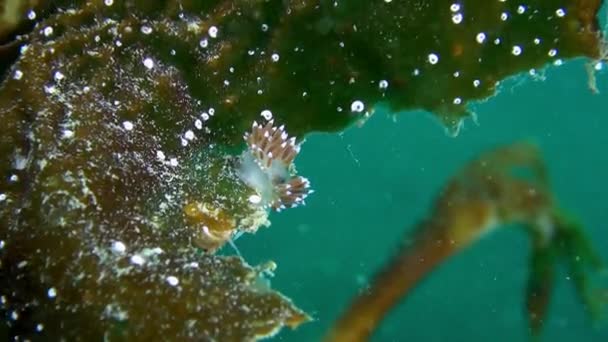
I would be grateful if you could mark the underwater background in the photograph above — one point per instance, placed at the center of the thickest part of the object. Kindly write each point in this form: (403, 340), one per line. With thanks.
(374, 183)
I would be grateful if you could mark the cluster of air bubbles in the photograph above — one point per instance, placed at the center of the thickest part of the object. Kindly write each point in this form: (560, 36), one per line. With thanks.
(456, 14)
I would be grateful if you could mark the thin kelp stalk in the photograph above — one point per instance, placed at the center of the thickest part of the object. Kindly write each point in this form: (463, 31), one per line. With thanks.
(505, 186)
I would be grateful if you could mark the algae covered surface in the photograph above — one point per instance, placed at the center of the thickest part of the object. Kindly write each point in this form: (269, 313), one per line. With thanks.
(122, 132)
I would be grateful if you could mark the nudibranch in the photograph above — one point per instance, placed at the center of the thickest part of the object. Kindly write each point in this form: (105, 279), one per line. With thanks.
(262, 178)
(267, 167)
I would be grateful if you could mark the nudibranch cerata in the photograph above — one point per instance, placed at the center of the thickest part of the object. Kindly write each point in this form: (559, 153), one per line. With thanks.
(267, 167)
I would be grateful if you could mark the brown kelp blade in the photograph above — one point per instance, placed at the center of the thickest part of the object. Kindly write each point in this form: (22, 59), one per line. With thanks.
(504, 186)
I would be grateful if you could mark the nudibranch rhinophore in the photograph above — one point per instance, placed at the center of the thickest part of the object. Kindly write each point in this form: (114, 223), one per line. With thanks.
(267, 167)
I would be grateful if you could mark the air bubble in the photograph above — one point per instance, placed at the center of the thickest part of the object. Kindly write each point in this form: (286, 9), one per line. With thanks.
(137, 259)
(146, 29)
(357, 106)
(127, 125)
(516, 50)
(433, 58)
(148, 63)
(212, 32)
(172, 280)
(383, 84)
(266, 114)
(481, 37)
(457, 18)
(119, 247)
(48, 31)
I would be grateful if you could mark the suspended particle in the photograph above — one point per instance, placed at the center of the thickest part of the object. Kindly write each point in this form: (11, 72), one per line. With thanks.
(51, 292)
(18, 74)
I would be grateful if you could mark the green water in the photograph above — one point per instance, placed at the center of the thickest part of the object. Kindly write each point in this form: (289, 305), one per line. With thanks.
(375, 182)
